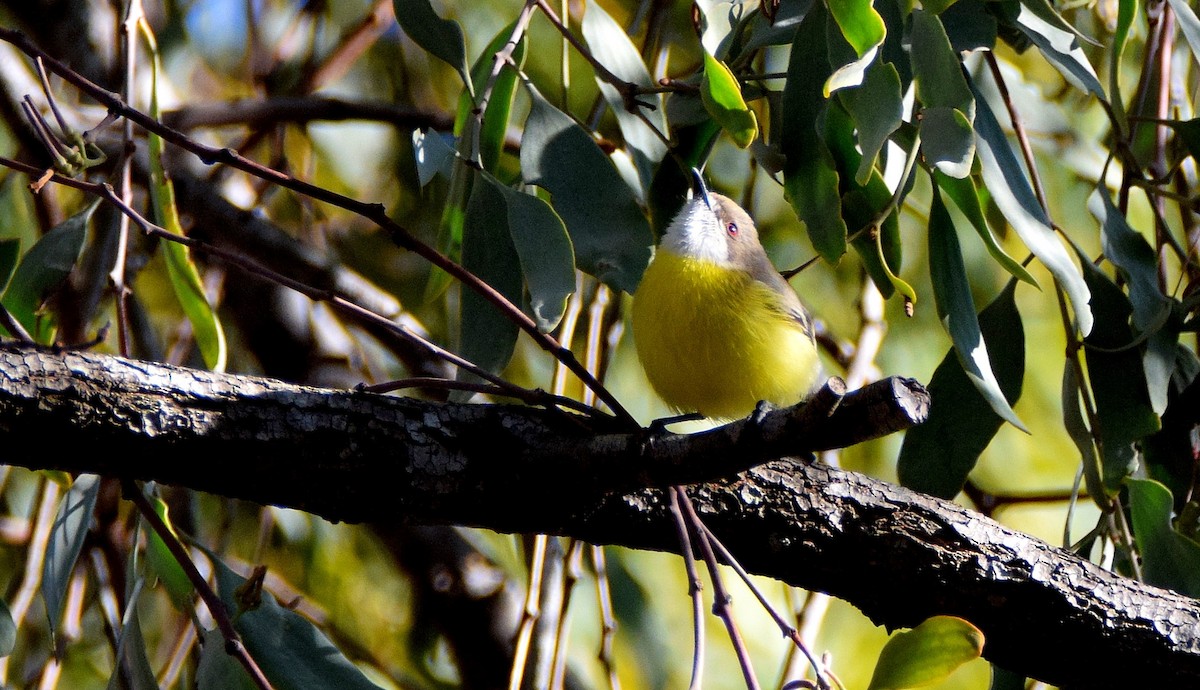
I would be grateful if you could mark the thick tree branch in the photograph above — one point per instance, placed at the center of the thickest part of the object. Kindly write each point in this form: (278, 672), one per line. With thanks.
(897, 555)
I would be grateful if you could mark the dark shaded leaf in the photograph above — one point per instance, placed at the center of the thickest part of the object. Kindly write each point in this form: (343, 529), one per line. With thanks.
(1169, 559)
(44, 267)
(442, 38)
(70, 528)
(966, 197)
(610, 235)
(937, 456)
(877, 110)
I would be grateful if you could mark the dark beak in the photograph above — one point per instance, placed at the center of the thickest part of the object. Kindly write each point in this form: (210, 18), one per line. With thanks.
(699, 188)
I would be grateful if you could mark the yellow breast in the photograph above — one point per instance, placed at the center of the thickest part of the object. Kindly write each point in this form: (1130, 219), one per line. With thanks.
(713, 340)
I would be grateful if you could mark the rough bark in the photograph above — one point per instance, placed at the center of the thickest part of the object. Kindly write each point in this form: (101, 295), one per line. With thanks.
(897, 555)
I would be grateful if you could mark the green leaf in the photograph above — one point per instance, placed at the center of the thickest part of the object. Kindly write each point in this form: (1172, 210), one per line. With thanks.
(218, 670)
(927, 654)
(947, 141)
(969, 26)
(182, 272)
(937, 456)
(133, 672)
(163, 563)
(1118, 382)
(8, 630)
(66, 541)
(1138, 264)
(544, 249)
(486, 336)
(809, 179)
(494, 131)
(1061, 49)
(956, 307)
(610, 44)
(290, 650)
(442, 38)
(1010, 189)
(1081, 435)
(433, 155)
(966, 197)
(722, 97)
(44, 268)
(611, 236)
(1169, 559)
(937, 68)
(861, 25)
(1043, 10)
(1127, 11)
(10, 252)
(877, 110)
(1189, 24)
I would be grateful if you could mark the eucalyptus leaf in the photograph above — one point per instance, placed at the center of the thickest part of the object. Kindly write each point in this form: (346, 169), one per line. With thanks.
(44, 268)
(1138, 264)
(1010, 189)
(1062, 50)
(610, 235)
(810, 180)
(442, 38)
(722, 97)
(937, 456)
(937, 69)
(487, 337)
(861, 25)
(494, 131)
(926, 654)
(67, 535)
(966, 198)
(1169, 559)
(162, 562)
(877, 109)
(433, 155)
(610, 44)
(947, 141)
(544, 250)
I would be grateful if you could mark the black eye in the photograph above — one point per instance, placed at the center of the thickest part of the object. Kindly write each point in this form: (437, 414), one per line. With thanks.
(732, 229)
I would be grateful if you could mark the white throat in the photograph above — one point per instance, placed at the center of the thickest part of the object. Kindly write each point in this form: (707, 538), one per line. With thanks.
(696, 233)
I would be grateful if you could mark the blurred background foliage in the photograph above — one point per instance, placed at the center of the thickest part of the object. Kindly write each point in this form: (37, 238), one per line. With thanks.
(332, 94)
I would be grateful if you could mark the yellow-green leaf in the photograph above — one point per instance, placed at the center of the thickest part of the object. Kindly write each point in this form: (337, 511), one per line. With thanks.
(163, 564)
(926, 654)
(722, 96)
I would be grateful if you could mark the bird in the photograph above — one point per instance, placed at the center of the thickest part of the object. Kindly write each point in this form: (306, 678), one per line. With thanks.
(716, 327)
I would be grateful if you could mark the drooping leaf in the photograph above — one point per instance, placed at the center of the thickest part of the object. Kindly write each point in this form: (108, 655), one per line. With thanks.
(1081, 435)
(1136, 260)
(492, 134)
(1117, 379)
(610, 44)
(956, 308)
(937, 456)
(947, 141)
(810, 180)
(44, 268)
(926, 654)
(860, 24)
(66, 541)
(948, 108)
(877, 109)
(1127, 11)
(544, 250)
(1044, 10)
(8, 630)
(722, 97)
(965, 196)
(1189, 24)
(486, 336)
(1010, 189)
(969, 25)
(611, 236)
(1061, 49)
(292, 653)
(1169, 559)
(133, 672)
(10, 252)
(181, 270)
(441, 38)
(433, 155)
(163, 564)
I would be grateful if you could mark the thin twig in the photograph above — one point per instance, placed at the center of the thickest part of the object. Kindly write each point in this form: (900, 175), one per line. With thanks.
(233, 641)
(373, 212)
(695, 586)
